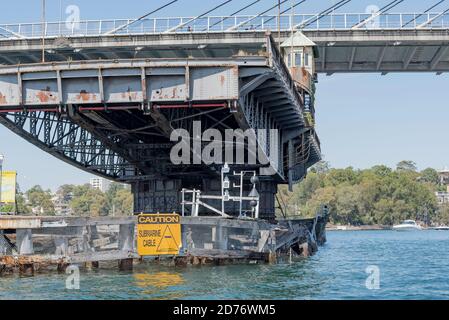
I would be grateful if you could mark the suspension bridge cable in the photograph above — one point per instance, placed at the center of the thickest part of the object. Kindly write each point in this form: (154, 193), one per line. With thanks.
(420, 15)
(255, 17)
(141, 18)
(322, 14)
(285, 11)
(381, 11)
(422, 25)
(198, 17)
(233, 14)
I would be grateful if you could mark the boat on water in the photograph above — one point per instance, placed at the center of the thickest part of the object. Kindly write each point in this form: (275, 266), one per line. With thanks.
(440, 228)
(407, 225)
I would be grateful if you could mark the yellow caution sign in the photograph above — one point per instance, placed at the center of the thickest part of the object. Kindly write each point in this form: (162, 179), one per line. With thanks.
(158, 234)
(8, 187)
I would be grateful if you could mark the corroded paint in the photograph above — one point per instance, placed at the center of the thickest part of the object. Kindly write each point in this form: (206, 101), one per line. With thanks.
(85, 96)
(45, 96)
(3, 99)
(130, 95)
(19, 223)
(169, 93)
(302, 77)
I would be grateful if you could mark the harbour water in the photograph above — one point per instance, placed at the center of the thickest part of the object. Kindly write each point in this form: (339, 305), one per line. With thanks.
(411, 265)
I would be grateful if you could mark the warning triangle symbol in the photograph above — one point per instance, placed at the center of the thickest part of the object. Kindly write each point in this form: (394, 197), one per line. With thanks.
(168, 242)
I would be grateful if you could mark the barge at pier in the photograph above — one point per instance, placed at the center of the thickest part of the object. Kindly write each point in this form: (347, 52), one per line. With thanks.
(30, 244)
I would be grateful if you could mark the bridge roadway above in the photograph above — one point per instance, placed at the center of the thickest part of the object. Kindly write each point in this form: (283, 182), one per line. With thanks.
(340, 50)
(394, 42)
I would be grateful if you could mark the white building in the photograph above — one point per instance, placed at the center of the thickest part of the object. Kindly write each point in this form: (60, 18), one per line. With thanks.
(100, 184)
(443, 197)
(444, 176)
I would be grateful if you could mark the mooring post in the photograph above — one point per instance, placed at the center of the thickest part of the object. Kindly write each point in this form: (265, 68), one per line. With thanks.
(272, 254)
(3, 247)
(221, 237)
(25, 247)
(62, 246)
(126, 244)
(93, 236)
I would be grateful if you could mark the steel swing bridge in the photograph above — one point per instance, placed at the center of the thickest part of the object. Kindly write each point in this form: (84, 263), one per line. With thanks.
(111, 92)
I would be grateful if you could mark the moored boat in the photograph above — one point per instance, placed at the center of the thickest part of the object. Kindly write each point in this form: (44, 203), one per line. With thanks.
(440, 228)
(407, 225)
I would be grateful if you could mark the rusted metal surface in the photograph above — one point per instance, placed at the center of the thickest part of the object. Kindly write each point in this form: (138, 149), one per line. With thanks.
(15, 261)
(10, 222)
(112, 83)
(303, 78)
(23, 222)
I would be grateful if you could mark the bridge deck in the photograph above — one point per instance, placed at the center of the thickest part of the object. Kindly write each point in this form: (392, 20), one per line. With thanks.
(223, 24)
(341, 50)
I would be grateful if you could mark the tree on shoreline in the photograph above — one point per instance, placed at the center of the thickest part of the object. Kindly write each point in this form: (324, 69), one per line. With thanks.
(379, 195)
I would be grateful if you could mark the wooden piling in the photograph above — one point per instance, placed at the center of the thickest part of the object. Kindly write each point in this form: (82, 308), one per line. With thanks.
(26, 270)
(62, 267)
(126, 265)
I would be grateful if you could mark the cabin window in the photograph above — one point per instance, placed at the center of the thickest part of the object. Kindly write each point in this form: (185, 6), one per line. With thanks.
(289, 60)
(308, 60)
(298, 58)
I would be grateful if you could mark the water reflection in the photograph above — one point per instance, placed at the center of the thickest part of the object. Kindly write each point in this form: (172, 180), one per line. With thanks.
(160, 285)
(412, 266)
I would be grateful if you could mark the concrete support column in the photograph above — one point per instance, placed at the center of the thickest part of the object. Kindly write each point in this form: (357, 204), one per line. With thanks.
(25, 247)
(24, 241)
(93, 232)
(126, 237)
(221, 237)
(126, 244)
(62, 246)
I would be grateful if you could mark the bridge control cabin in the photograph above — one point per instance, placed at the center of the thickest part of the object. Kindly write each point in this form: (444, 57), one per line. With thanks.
(300, 54)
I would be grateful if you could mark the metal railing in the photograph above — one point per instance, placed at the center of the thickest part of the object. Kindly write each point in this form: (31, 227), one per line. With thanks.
(336, 21)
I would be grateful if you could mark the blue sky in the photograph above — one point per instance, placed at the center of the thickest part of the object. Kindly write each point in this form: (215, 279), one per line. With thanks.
(362, 120)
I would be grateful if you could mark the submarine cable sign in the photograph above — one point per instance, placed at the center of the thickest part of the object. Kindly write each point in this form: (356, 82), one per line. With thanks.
(158, 234)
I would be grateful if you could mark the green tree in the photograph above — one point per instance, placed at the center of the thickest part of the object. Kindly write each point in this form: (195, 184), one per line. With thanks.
(41, 200)
(22, 207)
(88, 202)
(321, 167)
(378, 195)
(430, 175)
(65, 192)
(119, 200)
(406, 165)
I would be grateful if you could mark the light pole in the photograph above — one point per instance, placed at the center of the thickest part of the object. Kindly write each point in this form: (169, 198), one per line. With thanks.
(1, 177)
(43, 30)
